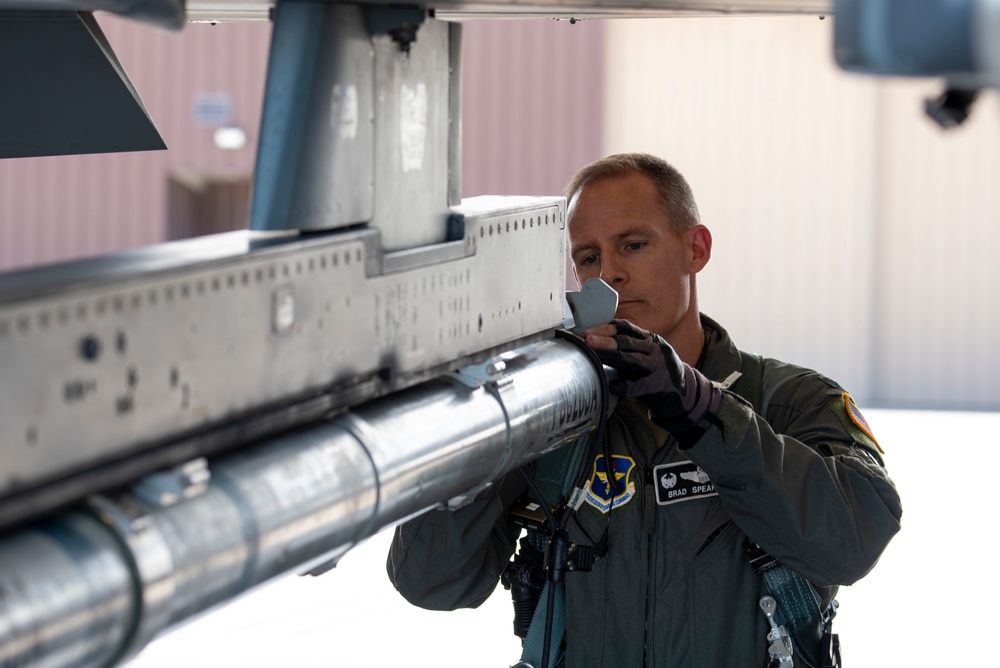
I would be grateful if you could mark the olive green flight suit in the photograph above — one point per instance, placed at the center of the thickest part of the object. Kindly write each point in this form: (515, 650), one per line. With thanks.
(805, 482)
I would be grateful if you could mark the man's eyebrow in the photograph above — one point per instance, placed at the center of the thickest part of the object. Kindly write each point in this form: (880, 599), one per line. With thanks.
(635, 231)
(576, 248)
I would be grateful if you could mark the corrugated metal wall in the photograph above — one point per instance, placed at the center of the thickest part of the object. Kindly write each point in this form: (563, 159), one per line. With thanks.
(532, 114)
(532, 111)
(936, 302)
(850, 235)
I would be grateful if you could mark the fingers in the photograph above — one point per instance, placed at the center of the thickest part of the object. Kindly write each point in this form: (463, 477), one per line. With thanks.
(602, 343)
(601, 337)
(616, 335)
(602, 330)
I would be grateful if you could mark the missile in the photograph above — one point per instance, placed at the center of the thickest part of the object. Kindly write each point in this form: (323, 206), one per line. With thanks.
(92, 586)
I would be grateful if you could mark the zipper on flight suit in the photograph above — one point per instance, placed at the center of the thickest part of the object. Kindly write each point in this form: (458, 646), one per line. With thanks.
(649, 524)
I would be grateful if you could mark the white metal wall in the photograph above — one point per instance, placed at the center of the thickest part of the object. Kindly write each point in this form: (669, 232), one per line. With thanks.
(850, 234)
(938, 325)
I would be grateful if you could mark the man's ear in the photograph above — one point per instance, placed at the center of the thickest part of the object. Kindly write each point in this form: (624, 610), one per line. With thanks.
(700, 244)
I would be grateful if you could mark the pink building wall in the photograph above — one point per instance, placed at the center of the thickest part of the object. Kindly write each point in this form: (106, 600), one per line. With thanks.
(532, 115)
(532, 95)
(58, 208)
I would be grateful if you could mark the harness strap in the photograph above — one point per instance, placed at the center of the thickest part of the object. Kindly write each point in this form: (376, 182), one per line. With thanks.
(531, 653)
(554, 475)
(798, 601)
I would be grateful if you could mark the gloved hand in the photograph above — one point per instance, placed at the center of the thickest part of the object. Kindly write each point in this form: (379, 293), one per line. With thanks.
(679, 397)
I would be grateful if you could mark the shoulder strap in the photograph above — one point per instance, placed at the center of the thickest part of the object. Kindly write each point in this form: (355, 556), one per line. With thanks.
(533, 649)
(554, 475)
(798, 601)
(750, 384)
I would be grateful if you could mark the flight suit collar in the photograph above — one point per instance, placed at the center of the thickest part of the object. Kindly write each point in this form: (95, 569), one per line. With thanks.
(720, 357)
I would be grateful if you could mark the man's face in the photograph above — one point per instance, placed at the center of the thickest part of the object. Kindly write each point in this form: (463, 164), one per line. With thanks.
(619, 233)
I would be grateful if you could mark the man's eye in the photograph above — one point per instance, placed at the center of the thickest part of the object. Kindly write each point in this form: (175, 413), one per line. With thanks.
(590, 259)
(635, 245)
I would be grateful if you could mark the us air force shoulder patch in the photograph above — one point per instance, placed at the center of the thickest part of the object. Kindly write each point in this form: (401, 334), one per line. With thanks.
(681, 481)
(859, 420)
(600, 493)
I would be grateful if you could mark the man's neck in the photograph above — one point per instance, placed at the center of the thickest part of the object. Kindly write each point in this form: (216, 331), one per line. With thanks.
(688, 340)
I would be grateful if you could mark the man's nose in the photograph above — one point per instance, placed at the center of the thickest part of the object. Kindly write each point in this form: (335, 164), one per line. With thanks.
(613, 271)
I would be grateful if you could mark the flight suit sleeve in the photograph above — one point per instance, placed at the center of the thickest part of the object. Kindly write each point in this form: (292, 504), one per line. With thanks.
(806, 484)
(444, 559)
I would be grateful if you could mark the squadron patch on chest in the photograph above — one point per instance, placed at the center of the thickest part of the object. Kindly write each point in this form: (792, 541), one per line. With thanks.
(601, 493)
(681, 481)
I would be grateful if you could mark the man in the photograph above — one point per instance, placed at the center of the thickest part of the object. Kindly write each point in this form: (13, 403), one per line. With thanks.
(696, 483)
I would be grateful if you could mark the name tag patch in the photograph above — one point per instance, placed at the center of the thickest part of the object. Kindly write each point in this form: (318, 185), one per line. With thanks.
(681, 481)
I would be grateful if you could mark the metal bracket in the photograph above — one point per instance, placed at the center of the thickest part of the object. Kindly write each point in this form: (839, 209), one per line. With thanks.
(166, 488)
(460, 500)
(595, 304)
(492, 370)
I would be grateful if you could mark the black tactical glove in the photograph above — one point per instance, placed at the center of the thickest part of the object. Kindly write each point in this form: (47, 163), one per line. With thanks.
(679, 398)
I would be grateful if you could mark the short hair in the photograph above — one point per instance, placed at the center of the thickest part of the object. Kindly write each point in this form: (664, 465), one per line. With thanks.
(676, 199)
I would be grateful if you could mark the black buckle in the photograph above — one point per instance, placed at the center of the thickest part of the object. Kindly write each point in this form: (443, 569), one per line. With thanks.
(760, 561)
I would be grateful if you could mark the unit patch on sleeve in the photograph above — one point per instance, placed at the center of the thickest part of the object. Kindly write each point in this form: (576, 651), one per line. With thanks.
(681, 481)
(600, 493)
(859, 420)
